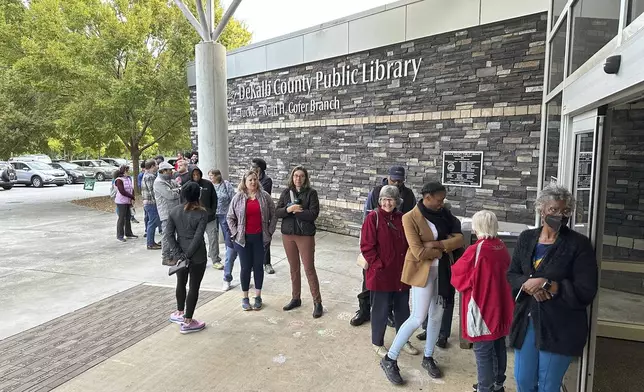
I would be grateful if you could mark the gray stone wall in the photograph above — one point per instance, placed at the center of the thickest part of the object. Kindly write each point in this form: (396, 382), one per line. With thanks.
(477, 89)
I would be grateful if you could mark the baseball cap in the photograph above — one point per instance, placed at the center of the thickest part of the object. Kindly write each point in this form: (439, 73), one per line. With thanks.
(165, 166)
(397, 173)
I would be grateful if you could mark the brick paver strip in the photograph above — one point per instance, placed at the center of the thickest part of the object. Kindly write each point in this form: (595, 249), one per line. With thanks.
(46, 356)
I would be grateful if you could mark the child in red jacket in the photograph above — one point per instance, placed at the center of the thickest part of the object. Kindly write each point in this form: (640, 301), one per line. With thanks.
(487, 303)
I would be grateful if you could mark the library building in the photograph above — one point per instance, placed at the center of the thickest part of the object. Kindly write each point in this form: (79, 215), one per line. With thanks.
(495, 99)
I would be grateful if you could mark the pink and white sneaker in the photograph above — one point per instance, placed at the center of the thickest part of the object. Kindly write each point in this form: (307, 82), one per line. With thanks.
(193, 326)
(176, 317)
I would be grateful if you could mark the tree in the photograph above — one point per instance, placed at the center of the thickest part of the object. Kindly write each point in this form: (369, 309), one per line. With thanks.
(114, 69)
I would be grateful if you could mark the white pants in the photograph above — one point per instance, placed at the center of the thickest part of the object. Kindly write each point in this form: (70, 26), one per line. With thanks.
(424, 300)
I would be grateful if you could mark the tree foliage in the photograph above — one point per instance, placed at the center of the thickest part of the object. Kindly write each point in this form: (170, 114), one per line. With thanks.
(97, 76)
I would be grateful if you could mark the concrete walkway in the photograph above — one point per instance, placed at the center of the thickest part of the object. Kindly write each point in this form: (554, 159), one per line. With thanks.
(273, 350)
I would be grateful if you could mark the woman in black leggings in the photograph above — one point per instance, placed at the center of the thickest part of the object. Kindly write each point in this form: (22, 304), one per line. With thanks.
(188, 222)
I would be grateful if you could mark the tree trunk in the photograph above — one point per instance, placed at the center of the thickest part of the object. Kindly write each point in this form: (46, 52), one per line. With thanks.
(136, 156)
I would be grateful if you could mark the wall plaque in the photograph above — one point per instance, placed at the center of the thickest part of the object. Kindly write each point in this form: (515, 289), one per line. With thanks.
(463, 168)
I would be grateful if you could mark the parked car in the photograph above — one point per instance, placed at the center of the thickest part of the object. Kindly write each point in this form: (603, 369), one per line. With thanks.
(102, 170)
(32, 157)
(75, 173)
(38, 174)
(115, 161)
(7, 176)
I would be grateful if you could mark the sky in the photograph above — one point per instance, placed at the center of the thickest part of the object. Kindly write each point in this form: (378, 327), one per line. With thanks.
(271, 18)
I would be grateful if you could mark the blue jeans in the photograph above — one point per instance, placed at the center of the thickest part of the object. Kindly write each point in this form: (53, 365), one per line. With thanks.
(231, 253)
(153, 222)
(491, 362)
(251, 258)
(536, 370)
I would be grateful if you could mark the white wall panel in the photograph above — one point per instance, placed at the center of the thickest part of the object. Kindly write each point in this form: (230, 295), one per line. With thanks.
(377, 30)
(249, 62)
(497, 10)
(285, 53)
(326, 43)
(431, 17)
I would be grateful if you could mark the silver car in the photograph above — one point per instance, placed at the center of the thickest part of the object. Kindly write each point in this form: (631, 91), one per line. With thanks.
(38, 174)
(101, 170)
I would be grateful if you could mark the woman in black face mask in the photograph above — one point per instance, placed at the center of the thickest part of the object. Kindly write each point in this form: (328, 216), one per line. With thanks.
(553, 276)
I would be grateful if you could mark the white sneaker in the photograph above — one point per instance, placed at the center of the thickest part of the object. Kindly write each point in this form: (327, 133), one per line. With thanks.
(225, 286)
(409, 349)
(381, 351)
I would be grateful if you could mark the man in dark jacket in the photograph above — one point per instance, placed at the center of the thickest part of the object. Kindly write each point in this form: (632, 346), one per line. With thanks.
(397, 179)
(259, 165)
(208, 200)
(182, 175)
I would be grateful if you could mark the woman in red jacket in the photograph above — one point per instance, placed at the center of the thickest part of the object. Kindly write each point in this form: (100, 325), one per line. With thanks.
(383, 245)
(480, 275)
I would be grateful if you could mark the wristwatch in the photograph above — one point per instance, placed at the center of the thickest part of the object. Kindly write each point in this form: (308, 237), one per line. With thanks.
(547, 285)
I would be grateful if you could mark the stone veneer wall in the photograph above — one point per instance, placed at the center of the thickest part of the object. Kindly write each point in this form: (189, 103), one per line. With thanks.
(477, 89)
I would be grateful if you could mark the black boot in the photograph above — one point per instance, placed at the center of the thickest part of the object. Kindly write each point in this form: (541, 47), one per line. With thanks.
(295, 303)
(318, 310)
(441, 342)
(390, 320)
(422, 336)
(361, 317)
(392, 371)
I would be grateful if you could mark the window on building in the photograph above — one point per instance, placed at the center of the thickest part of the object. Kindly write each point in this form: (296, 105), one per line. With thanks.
(635, 9)
(557, 8)
(557, 57)
(553, 135)
(594, 24)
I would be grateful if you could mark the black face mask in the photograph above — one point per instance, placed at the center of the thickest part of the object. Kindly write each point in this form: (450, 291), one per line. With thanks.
(556, 222)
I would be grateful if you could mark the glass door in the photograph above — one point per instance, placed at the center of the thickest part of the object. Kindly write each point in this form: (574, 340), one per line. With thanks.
(581, 170)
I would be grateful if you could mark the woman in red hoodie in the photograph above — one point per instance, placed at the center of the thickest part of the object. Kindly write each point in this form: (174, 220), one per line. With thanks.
(383, 245)
(480, 275)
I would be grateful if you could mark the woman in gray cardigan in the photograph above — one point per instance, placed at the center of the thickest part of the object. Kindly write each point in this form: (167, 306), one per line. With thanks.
(252, 222)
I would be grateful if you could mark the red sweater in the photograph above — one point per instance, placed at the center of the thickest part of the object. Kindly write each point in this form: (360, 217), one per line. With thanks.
(253, 217)
(384, 248)
(489, 315)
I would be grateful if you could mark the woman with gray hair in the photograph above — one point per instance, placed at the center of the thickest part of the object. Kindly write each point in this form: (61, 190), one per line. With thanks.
(383, 245)
(553, 276)
(487, 303)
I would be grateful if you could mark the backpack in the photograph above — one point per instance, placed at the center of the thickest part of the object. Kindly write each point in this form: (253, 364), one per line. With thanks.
(113, 191)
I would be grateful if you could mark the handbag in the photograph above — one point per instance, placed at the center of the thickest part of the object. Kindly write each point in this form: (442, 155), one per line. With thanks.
(361, 261)
(182, 264)
(475, 324)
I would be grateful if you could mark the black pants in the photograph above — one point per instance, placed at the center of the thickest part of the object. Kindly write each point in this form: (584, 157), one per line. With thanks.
(124, 224)
(196, 272)
(380, 309)
(446, 322)
(364, 298)
(251, 257)
(267, 254)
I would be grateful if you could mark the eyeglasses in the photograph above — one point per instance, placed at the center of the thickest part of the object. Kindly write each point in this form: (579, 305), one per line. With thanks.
(557, 211)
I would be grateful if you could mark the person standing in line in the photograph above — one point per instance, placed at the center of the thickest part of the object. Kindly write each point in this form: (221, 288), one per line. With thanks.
(225, 193)
(554, 278)
(187, 223)
(179, 159)
(383, 245)
(208, 201)
(150, 203)
(166, 194)
(182, 175)
(194, 159)
(299, 207)
(124, 199)
(397, 179)
(252, 222)
(487, 303)
(432, 232)
(259, 165)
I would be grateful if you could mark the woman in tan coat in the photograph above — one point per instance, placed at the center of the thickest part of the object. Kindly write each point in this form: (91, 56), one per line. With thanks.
(432, 233)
